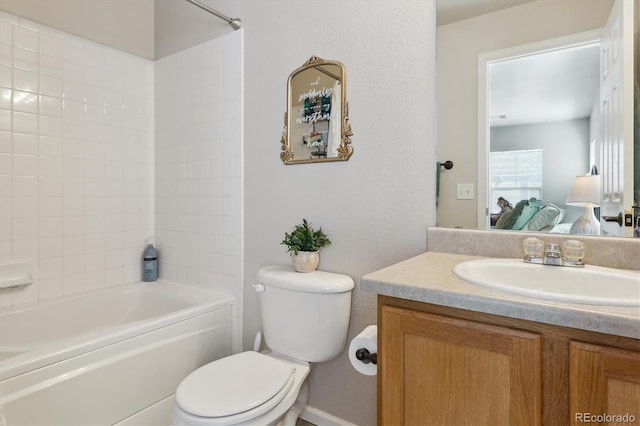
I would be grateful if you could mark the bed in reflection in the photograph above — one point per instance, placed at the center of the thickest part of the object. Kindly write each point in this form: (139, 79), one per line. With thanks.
(530, 215)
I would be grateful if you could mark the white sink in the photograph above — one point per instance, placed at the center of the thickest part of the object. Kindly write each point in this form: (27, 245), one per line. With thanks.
(591, 285)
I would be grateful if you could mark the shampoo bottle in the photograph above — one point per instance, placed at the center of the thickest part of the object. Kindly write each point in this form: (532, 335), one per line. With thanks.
(149, 263)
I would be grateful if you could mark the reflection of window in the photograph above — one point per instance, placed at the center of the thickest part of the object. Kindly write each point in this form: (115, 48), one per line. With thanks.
(515, 176)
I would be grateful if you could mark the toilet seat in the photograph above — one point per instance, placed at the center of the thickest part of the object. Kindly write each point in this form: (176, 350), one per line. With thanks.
(235, 389)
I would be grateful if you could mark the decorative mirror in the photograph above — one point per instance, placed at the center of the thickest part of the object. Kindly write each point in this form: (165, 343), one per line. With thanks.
(316, 124)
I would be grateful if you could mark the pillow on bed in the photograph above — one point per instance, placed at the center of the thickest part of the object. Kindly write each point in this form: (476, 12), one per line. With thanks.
(546, 217)
(504, 217)
(562, 213)
(511, 219)
(530, 208)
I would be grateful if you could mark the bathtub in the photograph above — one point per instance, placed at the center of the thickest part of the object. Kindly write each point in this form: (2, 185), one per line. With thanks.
(112, 356)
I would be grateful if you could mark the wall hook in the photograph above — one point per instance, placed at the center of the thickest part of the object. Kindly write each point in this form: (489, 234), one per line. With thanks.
(447, 165)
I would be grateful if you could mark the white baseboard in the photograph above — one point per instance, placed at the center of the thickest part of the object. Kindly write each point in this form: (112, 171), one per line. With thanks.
(322, 418)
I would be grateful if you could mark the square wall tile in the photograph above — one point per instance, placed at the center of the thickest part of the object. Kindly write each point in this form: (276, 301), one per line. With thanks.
(198, 168)
(70, 160)
(25, 39)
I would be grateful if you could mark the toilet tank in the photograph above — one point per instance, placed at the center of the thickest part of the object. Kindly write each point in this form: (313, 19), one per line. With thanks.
(304, 315)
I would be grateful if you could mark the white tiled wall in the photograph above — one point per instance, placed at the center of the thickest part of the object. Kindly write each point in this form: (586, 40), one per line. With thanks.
(199, 165)
(76, 159)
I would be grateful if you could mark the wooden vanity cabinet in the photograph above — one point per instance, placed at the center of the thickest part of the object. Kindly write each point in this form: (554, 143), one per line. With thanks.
(447, 366)
(441, 370)
(603, 380)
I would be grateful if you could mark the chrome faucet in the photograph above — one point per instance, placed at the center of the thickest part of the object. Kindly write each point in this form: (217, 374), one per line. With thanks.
(552, 255)
(569, 253)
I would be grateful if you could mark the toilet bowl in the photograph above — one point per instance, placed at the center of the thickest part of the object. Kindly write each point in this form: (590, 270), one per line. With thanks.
(249, 388)
(305, 317)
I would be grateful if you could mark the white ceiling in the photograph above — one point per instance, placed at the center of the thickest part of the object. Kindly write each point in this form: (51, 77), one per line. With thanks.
(555, 86)
(180, 25)
(126, 25)
(551, 86)
(156, 28)
(151, 29)
(449, 11)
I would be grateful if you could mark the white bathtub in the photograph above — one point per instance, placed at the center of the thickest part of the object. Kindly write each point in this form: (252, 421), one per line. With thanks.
(112, 356)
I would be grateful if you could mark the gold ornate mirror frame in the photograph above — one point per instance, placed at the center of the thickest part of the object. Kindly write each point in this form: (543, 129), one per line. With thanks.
(316, 124)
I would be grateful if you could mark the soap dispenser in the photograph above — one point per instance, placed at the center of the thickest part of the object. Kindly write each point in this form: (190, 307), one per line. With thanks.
(149, 263)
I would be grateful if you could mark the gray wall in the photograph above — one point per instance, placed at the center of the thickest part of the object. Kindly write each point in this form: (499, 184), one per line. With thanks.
(565, 151)
(375, 207)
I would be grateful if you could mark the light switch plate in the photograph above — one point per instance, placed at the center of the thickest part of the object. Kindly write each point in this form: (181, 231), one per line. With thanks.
(465, 191)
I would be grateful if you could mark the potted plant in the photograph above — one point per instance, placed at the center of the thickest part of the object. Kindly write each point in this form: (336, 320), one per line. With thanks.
(304, 243)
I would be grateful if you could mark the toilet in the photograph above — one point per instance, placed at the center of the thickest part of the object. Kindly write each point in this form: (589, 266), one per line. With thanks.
(305, 318)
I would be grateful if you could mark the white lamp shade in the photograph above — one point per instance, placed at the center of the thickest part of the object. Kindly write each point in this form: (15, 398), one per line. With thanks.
(585, 190)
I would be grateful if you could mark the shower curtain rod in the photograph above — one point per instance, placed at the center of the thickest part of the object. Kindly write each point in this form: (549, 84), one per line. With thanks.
(234, 22)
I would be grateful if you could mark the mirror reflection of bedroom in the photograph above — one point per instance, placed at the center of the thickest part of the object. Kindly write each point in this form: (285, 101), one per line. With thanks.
(543, 126)
(553, 84)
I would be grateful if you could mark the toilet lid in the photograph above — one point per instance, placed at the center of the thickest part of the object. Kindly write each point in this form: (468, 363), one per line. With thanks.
(233, 385)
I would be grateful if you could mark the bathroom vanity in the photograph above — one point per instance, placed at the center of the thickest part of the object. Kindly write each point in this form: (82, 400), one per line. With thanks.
(450, 352)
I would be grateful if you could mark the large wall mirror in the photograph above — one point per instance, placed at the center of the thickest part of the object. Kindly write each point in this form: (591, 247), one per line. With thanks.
(316, 124)
(494, 70)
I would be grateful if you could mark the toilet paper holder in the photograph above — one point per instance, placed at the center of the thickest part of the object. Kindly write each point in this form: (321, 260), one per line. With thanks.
(366, 357)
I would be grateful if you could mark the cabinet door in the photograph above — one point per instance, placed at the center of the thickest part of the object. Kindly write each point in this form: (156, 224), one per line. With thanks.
(438, 370)
(604, 384)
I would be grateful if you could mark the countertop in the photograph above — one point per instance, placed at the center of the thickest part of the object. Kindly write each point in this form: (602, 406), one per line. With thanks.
(429, 278)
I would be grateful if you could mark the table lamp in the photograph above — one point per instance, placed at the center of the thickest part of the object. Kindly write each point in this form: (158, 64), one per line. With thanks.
(585, 192)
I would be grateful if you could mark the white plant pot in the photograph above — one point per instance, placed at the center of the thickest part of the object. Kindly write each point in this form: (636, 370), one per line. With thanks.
(305, 261)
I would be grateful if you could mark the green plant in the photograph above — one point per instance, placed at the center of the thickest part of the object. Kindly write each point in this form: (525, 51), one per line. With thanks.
(305, 238)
